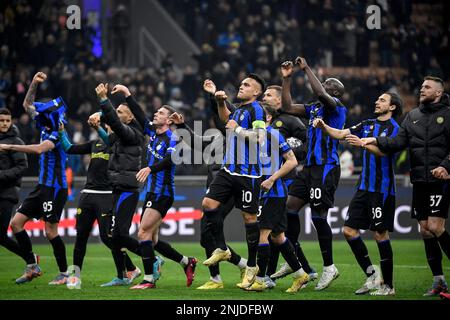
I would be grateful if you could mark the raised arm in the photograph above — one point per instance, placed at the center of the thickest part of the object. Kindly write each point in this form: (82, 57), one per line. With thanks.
(332, 132)
(122, 131)
(135, 108)
(222, 109)
(323, 96)
(178, 120)
(287, 68)
(28, 102)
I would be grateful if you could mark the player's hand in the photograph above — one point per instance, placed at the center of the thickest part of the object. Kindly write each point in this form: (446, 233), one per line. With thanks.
(440, 173)
(176, 118)
(354, 140)
(369, 141)
(39, 77)
(287, 68)
(142, 175)
(301, 62)
(318, 123)
(61, 126)
(4, 147)
(209, 86)
(94, 120)
(266, 185)
(102, 91)
(220, 96)
(232, 124)
(119, 88)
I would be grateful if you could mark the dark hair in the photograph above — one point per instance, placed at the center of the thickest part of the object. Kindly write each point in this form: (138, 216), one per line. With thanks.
(5, 111)
(269, 110)
(258, 79)
(396, 101)
(278, 89)
(169, 108)
(435, 79)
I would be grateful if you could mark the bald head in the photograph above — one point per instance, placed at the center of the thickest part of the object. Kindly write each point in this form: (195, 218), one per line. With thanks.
(334, 87)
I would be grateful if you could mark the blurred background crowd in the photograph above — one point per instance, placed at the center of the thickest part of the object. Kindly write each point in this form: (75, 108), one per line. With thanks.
(235, 37)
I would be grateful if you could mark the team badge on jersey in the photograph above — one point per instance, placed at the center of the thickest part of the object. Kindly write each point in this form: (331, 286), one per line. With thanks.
(241, 118)
(158, 147)
(440, 120)
(279, 123)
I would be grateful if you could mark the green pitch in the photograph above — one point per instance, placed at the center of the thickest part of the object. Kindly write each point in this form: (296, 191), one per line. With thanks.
(411, 275)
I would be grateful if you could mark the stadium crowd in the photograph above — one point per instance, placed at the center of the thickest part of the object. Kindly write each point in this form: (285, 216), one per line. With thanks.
(235, 37)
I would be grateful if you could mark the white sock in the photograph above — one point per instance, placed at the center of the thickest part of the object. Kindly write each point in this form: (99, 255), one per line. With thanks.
(184, 261)
(260, 279)
(217, 278)
(439, 278)
(329, 268)
(148, 278)
(242, 263)
(300, 272)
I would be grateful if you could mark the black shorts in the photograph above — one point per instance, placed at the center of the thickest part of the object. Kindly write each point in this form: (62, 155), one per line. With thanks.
(244, 191)
(158, 202)
(316, 185)
(272, 214)
(91, 207)
(371, 210)
(430, 200)
(124, 208)
(44, 202)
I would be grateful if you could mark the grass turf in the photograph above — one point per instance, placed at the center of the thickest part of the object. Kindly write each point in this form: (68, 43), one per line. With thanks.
(411, 276)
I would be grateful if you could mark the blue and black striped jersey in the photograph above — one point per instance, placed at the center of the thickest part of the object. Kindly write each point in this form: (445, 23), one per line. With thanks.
(242, 157)
(377, 173)
(160, 148)
(52, 164)
(272, 152)
(322, 149)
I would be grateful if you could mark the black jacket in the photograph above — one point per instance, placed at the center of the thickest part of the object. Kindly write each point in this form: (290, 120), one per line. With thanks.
(426, 133)
(125, 149)
(12, 166)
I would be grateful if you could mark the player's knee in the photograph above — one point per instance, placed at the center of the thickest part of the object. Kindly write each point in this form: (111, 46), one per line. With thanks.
(424, 232)
(249, 218)
(381, 235)
(144, 234)
(209, 204)
(350, 232)
(16, 226)
(436, 229)
(51, 232)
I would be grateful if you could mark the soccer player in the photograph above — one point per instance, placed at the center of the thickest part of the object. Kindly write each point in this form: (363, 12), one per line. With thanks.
(272, 215)
(160, 190)
(207, 240)
(240, 174)
(12, 167)
(318, 181)
(47, 200)
(294, 131)
(95, 202)
(125, 141)
(425, 131)
(373, 205)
